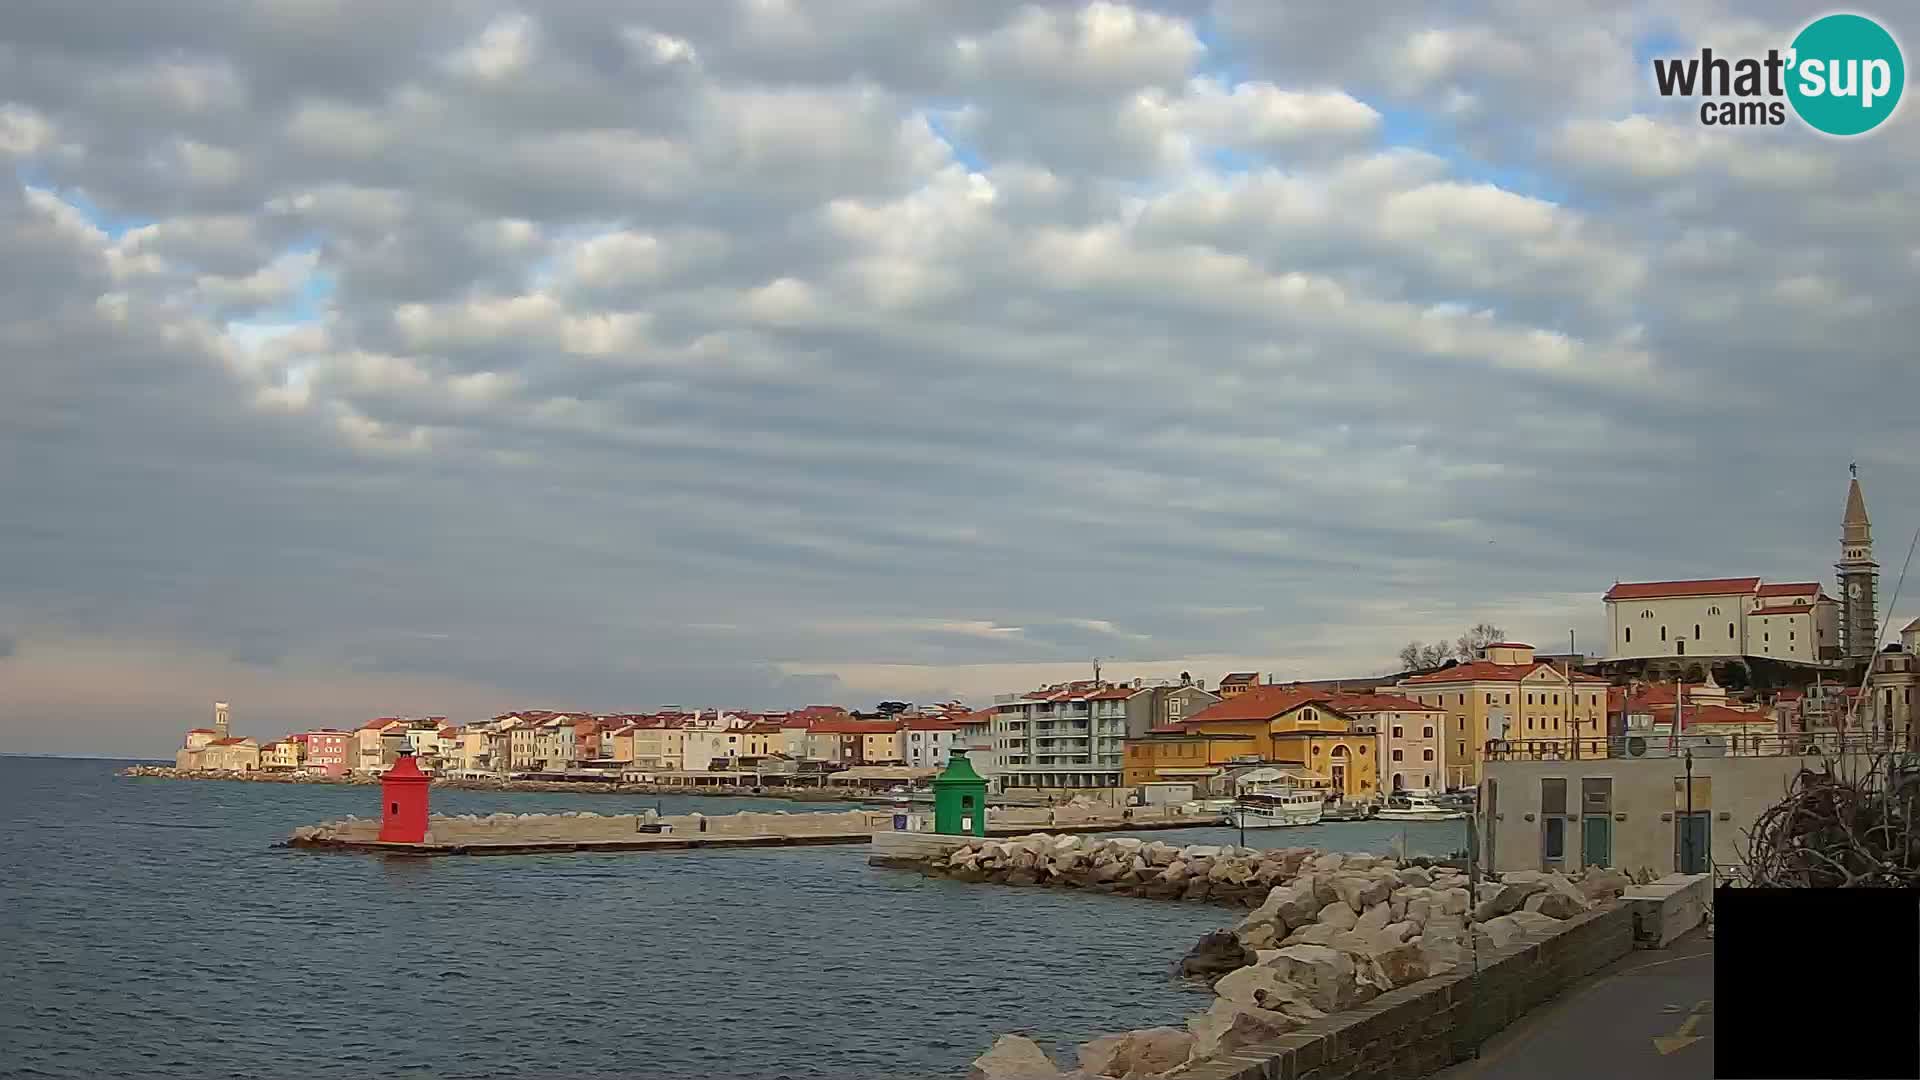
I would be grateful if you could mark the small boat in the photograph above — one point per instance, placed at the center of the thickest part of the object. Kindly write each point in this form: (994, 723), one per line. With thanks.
(1417, 808)
(1276, 806)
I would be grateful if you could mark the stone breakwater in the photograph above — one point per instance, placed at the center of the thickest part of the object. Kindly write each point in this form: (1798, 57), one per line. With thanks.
(483, 830)
(589, 787)
(1328, 933)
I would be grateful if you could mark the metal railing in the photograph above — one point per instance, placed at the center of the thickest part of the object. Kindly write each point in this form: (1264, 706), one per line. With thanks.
(1658, 745)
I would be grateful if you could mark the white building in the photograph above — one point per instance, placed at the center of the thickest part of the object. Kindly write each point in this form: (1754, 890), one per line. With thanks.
(1722, 617)
(926, 742)
(1633, 810)
(1068, 737)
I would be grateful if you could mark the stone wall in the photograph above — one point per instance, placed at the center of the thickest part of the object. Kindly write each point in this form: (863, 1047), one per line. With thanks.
(1417, 1030)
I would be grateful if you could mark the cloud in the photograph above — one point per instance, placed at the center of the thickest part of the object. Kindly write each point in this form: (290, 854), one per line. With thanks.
(750, 353)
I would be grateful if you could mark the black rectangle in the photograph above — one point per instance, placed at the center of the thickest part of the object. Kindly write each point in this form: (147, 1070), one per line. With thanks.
(1816, 984)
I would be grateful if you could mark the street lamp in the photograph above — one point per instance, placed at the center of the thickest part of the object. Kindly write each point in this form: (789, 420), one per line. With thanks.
(1686, 826)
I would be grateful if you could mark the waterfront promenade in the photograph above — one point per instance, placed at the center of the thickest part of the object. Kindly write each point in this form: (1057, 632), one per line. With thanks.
(1648, 1016)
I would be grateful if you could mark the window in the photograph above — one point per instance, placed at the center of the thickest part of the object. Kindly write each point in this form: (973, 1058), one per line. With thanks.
(1529, 699)
(1789, 635)
(1463, 699)
(1629, 633)
(1766, 637)
(1509, 699)
(1427, 754)
(1556, 699)
(1729, 631)
(1663, 633)
(1363, 749)
(1428, 734)
(1489, 699)
(1427, 780)
(1713, 611)
(1396, 754)
(1696, 631)
(1647, 614)
(1396, 732)
(1529, 723)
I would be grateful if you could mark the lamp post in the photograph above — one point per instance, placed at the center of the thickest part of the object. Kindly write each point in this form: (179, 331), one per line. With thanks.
(1686, 826)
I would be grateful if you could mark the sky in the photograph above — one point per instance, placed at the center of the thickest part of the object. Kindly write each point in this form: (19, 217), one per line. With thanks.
(447, 357)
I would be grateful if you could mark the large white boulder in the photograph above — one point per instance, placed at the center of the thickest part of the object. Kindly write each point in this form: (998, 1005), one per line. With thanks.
(1143, 1053)
(1228, 1026)
(1013, 1057)
(1339, 915)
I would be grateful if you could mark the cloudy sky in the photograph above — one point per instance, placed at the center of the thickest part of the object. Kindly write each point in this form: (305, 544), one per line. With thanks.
(361, 357)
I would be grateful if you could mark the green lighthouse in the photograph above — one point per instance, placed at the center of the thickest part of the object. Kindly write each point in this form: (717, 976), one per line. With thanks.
(960, 799)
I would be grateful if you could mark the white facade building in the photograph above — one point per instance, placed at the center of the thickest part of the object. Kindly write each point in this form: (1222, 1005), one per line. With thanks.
(927, 743)
(1722, 617)
(1067, 737)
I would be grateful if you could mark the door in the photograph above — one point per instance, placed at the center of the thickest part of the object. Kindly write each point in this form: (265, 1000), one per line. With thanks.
(1596, 841)
(1553, 840)
(1692, 841)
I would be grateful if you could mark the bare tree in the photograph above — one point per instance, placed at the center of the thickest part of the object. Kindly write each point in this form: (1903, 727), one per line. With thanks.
(1435, 654)
(1410, 656)
(1475, 641)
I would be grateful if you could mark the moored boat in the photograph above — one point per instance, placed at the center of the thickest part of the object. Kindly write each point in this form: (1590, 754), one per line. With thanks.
(1417, 808)
(1265, 806)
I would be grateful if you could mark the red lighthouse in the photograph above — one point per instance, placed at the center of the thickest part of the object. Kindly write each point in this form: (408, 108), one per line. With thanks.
(403, 803)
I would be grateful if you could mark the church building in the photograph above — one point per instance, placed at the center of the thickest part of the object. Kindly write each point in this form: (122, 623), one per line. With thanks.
(1745, 617)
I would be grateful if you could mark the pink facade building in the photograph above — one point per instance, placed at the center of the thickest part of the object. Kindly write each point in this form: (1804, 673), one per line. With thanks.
(327, 751)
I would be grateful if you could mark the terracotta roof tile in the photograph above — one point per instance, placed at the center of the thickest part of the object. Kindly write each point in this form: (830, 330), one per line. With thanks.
(1655, 590)
(1366, 703)
(1782, 609)
(1235, 678)
(1259, 703)
(1795, 588)
(1488, 671)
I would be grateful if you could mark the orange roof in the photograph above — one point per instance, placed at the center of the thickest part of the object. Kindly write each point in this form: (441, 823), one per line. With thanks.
(1488, 671)
(1655, 590)
(227, 742)
(202, 731)
(1801, 608)
(1797, 588)
(853, 727)
(1237, 677)
(928, 723)
(763, 728)
(1669, 589)
(1259, 703)
(1709, 715)
(1368, 703)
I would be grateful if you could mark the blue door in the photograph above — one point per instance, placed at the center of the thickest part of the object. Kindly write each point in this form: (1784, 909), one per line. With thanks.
(1692, 837)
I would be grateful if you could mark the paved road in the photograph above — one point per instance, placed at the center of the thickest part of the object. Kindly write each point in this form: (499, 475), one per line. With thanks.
(1649, 1017)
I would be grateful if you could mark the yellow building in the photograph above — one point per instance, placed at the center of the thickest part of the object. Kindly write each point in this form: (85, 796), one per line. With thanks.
(881, 746)
(280, 756)
(661, 747)
(1508, 695)
(1287, 727)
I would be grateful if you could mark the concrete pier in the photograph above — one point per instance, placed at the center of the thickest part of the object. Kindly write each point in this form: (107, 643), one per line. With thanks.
(532, 834)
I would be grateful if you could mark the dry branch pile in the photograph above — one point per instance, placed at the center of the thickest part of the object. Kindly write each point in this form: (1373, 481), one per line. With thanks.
(1840, 827)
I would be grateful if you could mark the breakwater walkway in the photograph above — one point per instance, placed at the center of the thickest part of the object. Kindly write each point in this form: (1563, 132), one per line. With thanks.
(533, 834)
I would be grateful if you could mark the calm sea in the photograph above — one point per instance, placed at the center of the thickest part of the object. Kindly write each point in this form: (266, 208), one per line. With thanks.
(150, 929)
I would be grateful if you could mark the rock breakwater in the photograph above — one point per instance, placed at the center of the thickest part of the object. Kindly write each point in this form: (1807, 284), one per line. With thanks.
(1328, 932)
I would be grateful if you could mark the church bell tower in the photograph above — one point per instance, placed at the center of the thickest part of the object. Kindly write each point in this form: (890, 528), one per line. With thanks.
(1859, 577)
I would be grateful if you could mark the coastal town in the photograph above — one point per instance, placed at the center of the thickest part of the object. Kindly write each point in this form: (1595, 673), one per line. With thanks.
(1738, 676)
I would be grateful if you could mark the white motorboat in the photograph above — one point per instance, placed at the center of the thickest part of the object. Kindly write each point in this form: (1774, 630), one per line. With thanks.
(1417, 808)
(1272, 807)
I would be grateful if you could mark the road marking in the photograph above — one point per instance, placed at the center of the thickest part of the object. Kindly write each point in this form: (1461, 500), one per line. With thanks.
(1684, 1037)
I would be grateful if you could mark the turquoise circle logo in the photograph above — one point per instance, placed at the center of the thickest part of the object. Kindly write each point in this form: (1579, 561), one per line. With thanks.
(1847, 75)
